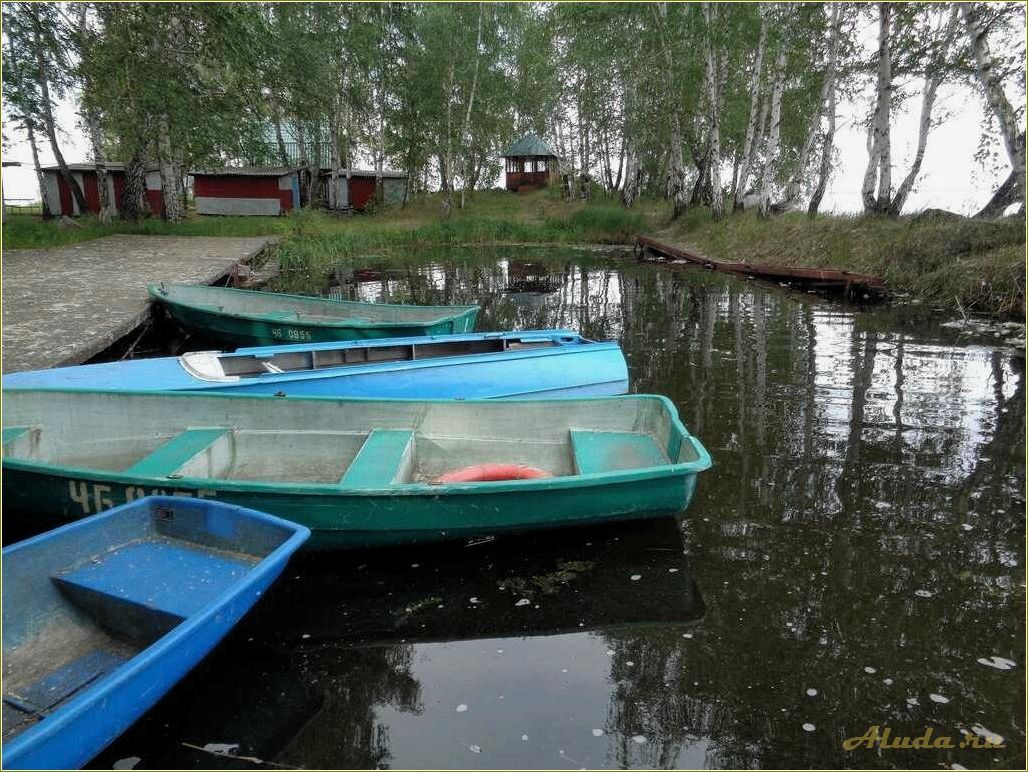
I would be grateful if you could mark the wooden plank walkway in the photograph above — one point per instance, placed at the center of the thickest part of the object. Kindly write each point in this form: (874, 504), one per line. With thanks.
(63, 306)
(827, 279)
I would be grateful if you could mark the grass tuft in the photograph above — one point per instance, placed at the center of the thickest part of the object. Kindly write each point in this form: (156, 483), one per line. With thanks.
(981, 263)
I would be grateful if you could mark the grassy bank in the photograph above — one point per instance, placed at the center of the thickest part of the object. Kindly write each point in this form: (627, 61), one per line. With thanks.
(314, 236)
(980, 264)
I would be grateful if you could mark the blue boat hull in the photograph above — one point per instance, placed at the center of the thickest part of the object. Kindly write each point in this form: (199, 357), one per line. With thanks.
(572, 368)
(164, 574)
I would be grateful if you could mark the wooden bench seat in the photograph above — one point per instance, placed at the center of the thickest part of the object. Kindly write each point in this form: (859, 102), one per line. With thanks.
(384, 459)
(174, 453)
(145, 588)
(596, 452)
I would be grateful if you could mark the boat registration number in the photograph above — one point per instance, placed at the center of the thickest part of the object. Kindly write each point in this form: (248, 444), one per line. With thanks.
(96, 497)
(289, 333)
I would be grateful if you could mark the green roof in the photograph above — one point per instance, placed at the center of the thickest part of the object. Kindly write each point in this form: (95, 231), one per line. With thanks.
(530, 144)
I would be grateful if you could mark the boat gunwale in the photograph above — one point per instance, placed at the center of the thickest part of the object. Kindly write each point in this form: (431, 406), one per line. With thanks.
(456, 312)
(366, 368)
(592, 479)
(149, 655)
(406, 340)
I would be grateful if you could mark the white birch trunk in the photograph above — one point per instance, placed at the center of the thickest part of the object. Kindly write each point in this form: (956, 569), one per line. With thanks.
(45, 204)
(879, 163)
(92, 120)
(107, 209)
(767, 177)
(630, 191)
(676, 188)
(445, 157)
(49, 124)
(465, 134)
(935, 71)
(792, 187)
(169, 183)
(717, 209)
(276, 116)
(749, 144)
(334, 203)
(1001, 107)
(826, 158)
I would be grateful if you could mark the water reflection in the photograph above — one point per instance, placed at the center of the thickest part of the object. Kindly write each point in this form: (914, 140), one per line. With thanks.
(859, 546)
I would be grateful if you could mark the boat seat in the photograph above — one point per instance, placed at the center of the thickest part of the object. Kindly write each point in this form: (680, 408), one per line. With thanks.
(36, 700)
(596, 452)
(12, 433)
(170, 456)
(384, 459)
(145, 588)
(18, 441)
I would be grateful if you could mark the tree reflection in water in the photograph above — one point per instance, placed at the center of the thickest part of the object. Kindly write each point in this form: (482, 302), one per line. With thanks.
(860, 537)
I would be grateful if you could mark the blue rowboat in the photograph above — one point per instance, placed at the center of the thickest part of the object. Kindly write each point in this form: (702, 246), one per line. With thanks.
(103, 616)
(537, 363)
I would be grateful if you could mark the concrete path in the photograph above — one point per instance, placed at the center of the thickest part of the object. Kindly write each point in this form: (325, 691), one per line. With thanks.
(63, 306)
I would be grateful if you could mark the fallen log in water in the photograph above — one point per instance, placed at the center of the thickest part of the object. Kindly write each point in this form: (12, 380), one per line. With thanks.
(848, 283)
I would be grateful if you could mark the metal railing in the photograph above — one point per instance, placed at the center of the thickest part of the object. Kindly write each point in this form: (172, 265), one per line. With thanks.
(26, 206)
(318, 154)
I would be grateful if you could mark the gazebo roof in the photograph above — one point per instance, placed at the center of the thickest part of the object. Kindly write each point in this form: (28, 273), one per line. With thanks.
(530, 144)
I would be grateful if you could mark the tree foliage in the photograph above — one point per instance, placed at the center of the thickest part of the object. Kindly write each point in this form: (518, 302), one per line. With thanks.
(699, 103)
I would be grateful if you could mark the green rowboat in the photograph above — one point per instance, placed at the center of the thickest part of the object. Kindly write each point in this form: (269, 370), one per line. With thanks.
(358, 473)
(249, 318)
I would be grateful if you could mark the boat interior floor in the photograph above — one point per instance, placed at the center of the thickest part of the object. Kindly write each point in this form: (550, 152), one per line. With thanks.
(242, 365)
(373, 459)
(115, 604)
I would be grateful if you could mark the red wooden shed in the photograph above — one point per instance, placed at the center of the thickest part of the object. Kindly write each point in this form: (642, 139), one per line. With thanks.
(356, 188)
(246, 191)
(61, 201)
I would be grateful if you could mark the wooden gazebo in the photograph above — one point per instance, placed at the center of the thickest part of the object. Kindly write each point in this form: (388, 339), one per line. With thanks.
(530, 162)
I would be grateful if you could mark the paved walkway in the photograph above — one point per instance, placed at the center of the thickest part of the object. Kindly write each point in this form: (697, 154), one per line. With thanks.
(63, 306)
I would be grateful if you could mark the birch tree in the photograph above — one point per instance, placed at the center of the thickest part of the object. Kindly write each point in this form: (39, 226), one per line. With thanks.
(676, 189)
(19, 104)
(40, 34)
(935, 72)
(750, 142)
(465, 133)
(876, 189)
(920, 40)
(988, 74)
(825, 101)
(713, 77)
(774, 134)
(825, 167)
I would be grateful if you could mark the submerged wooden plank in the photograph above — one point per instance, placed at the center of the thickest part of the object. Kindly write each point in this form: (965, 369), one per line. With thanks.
(822, 277)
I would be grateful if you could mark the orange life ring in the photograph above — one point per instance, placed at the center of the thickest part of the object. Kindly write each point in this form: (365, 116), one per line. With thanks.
(491, 473)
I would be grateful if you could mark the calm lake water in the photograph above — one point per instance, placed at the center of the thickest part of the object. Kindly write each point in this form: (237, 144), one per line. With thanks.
(854, 558)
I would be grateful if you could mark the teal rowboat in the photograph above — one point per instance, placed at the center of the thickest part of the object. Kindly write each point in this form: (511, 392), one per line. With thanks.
(358, 473)
(249, 318)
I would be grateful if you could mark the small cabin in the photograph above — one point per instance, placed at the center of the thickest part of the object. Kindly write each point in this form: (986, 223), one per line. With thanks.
(530, 163)
(61, 201)
(357, 190)
(246, 191)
